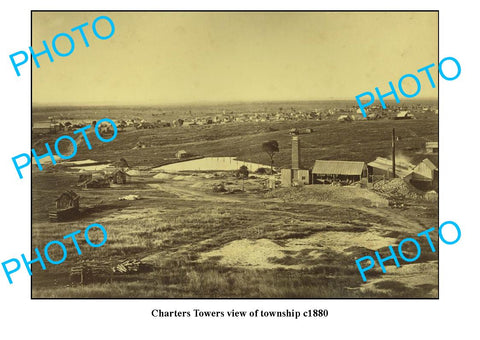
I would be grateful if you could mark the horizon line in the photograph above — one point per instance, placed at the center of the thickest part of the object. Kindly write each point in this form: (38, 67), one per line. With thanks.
(223, 102)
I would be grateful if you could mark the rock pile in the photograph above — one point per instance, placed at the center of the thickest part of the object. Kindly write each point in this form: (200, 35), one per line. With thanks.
(397, 187)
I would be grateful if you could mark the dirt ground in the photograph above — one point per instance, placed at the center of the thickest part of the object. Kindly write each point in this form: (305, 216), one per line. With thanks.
(234, 244)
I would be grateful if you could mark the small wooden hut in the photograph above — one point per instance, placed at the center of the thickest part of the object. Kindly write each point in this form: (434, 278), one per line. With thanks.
(181, 154)
(67, 206)
(93, 180)
(119, 177)
(68, 199)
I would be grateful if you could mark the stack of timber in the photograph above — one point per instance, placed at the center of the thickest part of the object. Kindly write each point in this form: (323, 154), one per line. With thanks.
(63, 214)
(132, 266)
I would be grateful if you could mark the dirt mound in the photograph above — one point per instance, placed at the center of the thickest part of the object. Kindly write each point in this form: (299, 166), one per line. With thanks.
(179, 178)
(198, 185)
(302, 252)
(162, 175)
(343, 241)
(332, 194)
(248, 253)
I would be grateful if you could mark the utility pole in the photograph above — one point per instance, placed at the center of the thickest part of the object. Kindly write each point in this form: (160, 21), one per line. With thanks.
(393, 152)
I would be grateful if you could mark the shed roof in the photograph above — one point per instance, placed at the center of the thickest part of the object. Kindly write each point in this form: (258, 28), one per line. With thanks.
(72, 194)
(425, 170)
(41, 125)
(344, 117)
(402, 169)
(338, 167)
(120, 171)
(403, 114)
(429, 164)
(431, 145)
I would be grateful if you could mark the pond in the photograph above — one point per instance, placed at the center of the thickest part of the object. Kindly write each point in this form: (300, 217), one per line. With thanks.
(211, 164)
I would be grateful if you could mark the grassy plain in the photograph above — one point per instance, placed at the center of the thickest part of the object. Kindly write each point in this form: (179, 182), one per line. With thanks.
(356, 141)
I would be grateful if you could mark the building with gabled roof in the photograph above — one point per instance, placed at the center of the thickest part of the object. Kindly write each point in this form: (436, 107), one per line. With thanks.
(425, 175)
(404, 115)
(383, 168)
(425, 170)
(66, 207)
(344, 118)
(43, 127)
(325, 171)
(431, 147)
(119, 176)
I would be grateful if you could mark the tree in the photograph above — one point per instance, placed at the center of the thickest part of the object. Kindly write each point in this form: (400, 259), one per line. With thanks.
(270, 147)
(242, 173)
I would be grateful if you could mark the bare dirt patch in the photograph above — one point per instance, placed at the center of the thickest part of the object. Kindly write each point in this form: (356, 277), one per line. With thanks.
(301, 252)
(248, 253)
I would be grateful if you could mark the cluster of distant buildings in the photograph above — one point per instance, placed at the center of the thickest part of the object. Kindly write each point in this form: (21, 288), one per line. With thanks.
(398, 112)
(341, 114)
(54, 126)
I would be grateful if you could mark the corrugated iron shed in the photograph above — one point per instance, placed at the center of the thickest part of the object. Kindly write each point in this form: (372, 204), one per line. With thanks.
(403, 114)
(429, 164)
(344, 118)
(348, 168)
(42, 125)
(425, 170)
(72, 195)
(402, 170)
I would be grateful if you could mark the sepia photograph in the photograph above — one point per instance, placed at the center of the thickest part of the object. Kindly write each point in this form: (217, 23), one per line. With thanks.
(234, 154)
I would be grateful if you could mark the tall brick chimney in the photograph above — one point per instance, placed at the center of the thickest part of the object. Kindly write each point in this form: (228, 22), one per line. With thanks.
(295, 152)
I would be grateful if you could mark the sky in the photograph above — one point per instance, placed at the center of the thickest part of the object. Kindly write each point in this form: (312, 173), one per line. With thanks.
(156, 58)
